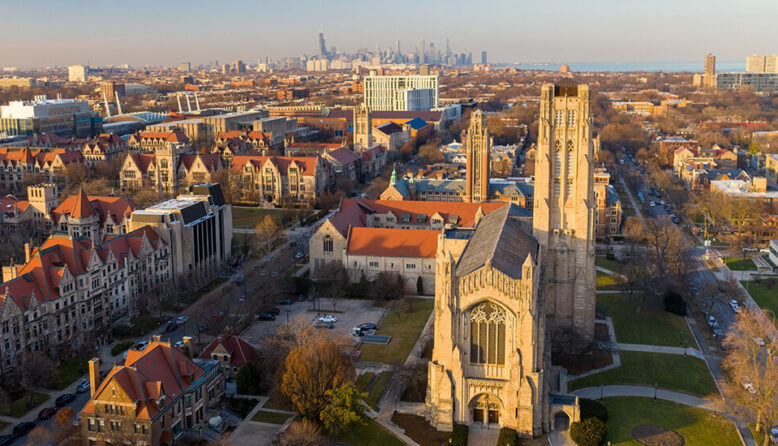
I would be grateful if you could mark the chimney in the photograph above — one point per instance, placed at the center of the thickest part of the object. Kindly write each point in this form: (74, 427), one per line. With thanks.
(187, 340)
(94, 375)
(27, 249)
(156, 338)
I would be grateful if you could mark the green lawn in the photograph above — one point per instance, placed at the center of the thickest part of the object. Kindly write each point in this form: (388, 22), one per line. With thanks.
(371, 434)
(668, 371)
(375, 388)
(606, 263)
(265, 416)
(69, 371)
(740, 264)
(606, 281)
(28, 402)
(650, 325)
(404, 328)
(764, 292)
(696, 426)
(243, 217)
(142, 324)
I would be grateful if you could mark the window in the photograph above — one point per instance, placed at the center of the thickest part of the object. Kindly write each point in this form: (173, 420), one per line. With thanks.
(571, 118)
(373, 264)
(327, 243)
(487, 334)
(410, 266)
(559, 118)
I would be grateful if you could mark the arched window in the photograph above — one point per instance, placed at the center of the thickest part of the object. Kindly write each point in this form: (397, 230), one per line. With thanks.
(487, 334)
(327, 243)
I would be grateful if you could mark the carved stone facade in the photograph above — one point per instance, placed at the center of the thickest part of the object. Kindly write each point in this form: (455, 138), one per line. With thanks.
(478, 148)
(564, 208)
(489, 359)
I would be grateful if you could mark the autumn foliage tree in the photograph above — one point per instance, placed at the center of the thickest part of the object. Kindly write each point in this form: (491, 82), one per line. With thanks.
(345, 408)
(310, 370)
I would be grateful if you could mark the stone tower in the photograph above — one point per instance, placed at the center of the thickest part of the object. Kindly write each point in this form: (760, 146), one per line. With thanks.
(478, 150)
(166, 157)
(488, 365)
(43, 197)
(363, 129)
(564, 207)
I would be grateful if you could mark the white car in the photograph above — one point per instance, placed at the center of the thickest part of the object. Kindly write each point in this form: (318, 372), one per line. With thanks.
(182, 319)
(746, 382)
(652, 204)
(140, 345)
(735, 307)
(328, 318)
(179, 344)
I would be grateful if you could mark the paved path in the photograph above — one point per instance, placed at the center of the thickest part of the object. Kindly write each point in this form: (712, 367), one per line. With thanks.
(631, 199)
(661, 349)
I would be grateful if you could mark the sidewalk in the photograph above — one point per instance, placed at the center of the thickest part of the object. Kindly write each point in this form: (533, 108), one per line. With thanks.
(690, 351)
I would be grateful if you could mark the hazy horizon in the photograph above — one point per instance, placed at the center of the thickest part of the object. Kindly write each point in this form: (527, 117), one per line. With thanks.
(54, 33)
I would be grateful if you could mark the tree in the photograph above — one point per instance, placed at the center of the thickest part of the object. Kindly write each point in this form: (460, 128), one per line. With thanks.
(64, 423)
(75, 174)
(411, 379)
(752, 369)
(376, 188)
(38, 370)
(248, 379)
(264, 232)
(419, 286)
(345, 407)
(302, 433)
(385, 287)
(310, 370)
(41, 435)
(588, 432)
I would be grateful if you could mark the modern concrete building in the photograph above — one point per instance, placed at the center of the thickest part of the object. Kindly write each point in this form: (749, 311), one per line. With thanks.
(401, 92)
(78, 73)
(762, 64)
(63, 117)
(760, 82)
(197, 228)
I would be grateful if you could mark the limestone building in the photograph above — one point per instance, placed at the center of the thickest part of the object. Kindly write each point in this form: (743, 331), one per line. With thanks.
(478, 149)
(489, 355)
(564, 208)
(363, 129)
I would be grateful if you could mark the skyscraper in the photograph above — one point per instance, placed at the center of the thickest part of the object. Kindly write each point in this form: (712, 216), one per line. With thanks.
(483, 57)
(709, 72)
(422, 51)
(322, 46)
(564, 208)
(478, 150)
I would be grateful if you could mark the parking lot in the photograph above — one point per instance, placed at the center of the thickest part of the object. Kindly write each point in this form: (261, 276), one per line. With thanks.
(350, 312)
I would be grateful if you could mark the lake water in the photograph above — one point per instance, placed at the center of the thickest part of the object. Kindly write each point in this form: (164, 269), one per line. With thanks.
(668, 67)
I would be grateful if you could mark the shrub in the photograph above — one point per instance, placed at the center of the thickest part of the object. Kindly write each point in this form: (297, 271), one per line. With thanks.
(589, 432)
(508, 437)
(419, 286)
(120, 348)
(593, 408)
(610, 256)
(674, 303)
(458, 435)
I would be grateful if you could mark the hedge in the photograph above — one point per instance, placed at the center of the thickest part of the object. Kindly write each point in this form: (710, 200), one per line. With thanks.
(508, 437)
(459, 435)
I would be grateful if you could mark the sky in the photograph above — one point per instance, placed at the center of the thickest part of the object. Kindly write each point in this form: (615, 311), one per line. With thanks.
(37, 33)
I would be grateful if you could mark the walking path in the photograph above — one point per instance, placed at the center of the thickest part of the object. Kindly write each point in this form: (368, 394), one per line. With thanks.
(660, 349)
(715, 406)
(631, 198)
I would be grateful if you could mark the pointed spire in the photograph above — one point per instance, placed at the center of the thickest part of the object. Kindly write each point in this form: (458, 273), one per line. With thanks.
(82, 208)
(393, 179)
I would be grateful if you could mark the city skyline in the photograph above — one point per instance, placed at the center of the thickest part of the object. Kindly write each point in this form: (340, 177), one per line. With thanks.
(165, 34)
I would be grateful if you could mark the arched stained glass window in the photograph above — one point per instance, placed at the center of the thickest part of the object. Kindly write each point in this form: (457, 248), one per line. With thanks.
(487, 334)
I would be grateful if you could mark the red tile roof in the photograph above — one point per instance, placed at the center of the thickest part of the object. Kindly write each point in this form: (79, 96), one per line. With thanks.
(81, 205)
(389, 242)
(307, 163)
(240, 351)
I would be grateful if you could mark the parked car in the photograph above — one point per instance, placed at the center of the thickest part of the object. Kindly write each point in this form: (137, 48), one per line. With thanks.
(735, 307)
(759, 341)
(179, 344)
(321, 324)
(23, 428)
(77, 420)
(652, 204)
(5, 440)
(64, 399)
(140, 345)
(712, 321)
(82, 387)
(171, 327)
(266, 316)
(275, 310)
(285, 301)
(746, 383)
(299, 255)
(774, 435)
(362, 329)
(182, 320)
(242, 298)
(328, 318)
(47, 412)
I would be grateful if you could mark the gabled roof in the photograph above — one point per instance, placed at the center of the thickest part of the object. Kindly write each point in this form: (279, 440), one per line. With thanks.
(81, 206)
(389, 242)
(499, 240)
(342, 155)
(241, 352)
(306, 163)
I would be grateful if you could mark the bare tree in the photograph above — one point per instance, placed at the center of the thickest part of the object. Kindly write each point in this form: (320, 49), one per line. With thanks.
(302, 432)
(38, 370)
(264, 233)
(752, 368)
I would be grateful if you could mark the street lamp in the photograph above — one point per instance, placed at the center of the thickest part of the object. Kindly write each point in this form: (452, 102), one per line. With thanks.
(600, 392)
(287, 315)
(654, 391)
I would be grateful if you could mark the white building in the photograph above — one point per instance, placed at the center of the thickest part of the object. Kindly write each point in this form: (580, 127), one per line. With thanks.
(78, 73)
(42, 107)
(401, 93)
(762, 64)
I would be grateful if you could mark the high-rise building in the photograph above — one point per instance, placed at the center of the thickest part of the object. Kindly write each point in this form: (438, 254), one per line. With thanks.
(422, 51)
(564, 208)
(185, 67)
(478, 149)
(762, 64)
(322, 47)
(401, 92)
(240, 67)
(483, 57)
(709, 72)
(78, 73)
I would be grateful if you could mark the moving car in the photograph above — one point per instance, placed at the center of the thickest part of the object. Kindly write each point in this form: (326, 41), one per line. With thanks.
(328, 318)
(171, 327)
(299, 255)
(47, 412)
(64, 399)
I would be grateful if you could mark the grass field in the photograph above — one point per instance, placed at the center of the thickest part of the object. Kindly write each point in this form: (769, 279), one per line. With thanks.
(404, 328)
(606, 281)
(650, 325)
(371, 434)
(740, 264)
(764, 292)
(265, 416)
(697, 427)
(247, 218)
(30, 400)
(668, 371)
(69, 371)
(606, 263)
